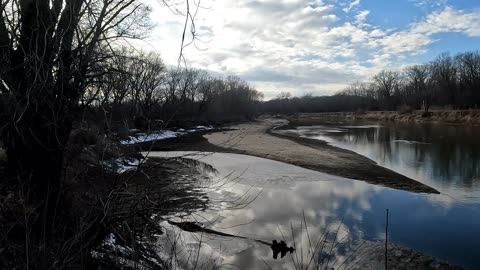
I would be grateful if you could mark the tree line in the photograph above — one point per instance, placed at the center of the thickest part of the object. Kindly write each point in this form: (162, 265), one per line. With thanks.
(138, 85)
(448, 82)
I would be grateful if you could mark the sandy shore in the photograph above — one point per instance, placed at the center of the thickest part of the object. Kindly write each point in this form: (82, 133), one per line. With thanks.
(255, 139)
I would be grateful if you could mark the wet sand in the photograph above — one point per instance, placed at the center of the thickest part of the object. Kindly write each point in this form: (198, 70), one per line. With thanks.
(257, 139)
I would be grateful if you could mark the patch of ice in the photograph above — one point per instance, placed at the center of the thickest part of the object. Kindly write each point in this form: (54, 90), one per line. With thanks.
(410, 142)
(199, 128)
(161, 135)
(143, 137)
(203, 127)
(363, 126)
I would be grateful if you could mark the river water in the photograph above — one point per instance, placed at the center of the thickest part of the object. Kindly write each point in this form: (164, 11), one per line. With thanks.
(261, 199)
(446, 157)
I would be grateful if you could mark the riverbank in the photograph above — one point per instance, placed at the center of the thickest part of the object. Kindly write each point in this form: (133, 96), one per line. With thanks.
(470, 117)
(255, 138)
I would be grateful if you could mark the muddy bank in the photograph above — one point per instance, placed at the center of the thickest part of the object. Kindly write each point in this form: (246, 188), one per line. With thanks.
(255, 139)
(470, 117)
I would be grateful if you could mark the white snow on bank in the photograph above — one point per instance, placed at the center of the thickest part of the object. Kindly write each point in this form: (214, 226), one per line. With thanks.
(202, 128)
(153, 136)
(161, 135)
(121, 165)
(197, 128)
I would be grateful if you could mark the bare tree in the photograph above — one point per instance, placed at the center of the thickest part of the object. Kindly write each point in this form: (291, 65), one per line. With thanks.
(172, 86)
(444, 76)
(210, 89)
(146, 74)
(284, 95)
(50, 51)
(468, 66)
(446, 81)
(386, 82)
(113, 85)
(419, 80)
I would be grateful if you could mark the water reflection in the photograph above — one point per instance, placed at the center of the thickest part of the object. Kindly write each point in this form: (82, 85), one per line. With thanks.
(446, 157)
(280, 248)
(291, 201)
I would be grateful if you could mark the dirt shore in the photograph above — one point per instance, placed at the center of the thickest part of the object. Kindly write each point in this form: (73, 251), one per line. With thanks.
(255, 139)
(468, 117)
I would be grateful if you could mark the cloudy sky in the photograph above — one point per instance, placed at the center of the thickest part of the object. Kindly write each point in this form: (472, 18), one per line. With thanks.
(316, 46)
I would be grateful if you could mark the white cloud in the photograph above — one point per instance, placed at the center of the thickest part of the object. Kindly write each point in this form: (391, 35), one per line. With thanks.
(429, 3)
(362, 16)
(299, 46)
(450, 20)
(351, 5)
(419, 35)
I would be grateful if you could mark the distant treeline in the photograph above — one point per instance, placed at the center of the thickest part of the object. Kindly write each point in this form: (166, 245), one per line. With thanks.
(448, 82)
(137, 86)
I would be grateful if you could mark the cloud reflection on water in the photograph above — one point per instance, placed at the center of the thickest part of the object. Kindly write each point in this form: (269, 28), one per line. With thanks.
(422, 222)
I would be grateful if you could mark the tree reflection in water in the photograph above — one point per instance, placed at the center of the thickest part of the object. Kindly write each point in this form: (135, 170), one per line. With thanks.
(446, 157)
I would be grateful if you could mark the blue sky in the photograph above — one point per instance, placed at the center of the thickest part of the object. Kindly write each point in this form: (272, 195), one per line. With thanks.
(316, 46)
(400, 14)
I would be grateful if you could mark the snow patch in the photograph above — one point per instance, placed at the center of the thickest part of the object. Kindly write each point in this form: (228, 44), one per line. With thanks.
(158, 135)
(161, 135)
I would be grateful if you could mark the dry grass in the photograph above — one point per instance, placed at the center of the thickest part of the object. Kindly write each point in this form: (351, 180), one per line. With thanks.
(95, 203)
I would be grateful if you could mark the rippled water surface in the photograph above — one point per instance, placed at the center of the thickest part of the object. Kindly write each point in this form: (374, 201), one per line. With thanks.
(275, 201)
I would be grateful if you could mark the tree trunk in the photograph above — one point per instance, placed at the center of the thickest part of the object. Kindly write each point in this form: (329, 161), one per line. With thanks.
(35, 147)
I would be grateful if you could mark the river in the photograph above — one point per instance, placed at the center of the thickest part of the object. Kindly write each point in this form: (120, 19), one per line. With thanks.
(446, 157)
(261, 199)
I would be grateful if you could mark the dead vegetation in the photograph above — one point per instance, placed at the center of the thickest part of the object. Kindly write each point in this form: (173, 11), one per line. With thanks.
(470, 117)
(97, 203)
